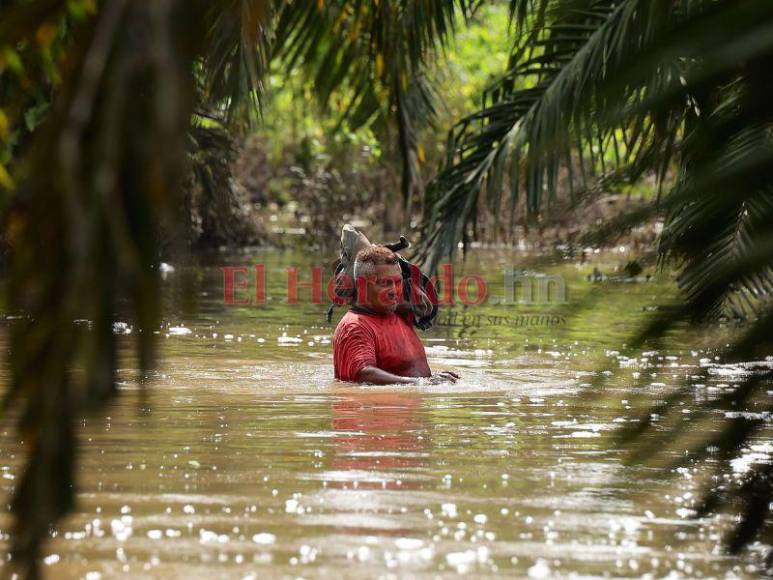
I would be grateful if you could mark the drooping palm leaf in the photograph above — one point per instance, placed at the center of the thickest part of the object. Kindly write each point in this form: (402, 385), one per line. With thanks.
(93, 184)
(378, 52)
(684, 84)
(236, 55)
(542, 115)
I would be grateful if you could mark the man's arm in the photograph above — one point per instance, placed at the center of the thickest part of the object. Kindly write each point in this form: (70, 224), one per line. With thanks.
(377, 376)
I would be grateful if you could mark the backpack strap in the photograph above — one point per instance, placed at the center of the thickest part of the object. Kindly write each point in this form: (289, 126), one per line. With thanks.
(420, 294)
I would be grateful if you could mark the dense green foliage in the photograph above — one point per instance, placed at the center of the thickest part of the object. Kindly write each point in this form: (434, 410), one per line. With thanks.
(332, 169)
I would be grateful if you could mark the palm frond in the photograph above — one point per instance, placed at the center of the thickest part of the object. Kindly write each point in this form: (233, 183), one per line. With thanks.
(657, 84)
(544, 112)
(378, 51)
(236, 55)
(94, 183)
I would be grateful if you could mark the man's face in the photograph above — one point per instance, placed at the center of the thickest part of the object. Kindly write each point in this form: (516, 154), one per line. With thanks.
(385, 292)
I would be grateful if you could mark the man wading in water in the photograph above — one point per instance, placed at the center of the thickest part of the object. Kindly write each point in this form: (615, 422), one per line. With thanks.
(373, 344)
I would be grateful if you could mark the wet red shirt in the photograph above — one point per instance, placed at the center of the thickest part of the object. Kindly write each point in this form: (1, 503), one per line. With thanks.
(387, 342)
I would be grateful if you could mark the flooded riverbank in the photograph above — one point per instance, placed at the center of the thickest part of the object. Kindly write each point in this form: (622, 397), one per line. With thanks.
(245, 458)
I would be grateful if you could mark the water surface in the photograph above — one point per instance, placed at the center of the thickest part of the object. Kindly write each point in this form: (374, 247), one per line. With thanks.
(246, 459)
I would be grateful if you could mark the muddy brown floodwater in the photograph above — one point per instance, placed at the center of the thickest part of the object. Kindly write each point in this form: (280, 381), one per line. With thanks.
(246, 459)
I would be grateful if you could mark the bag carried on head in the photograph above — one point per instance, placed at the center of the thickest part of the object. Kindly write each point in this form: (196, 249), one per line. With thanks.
(420, 303)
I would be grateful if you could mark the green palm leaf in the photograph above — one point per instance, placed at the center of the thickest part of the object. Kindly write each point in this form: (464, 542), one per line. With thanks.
(542, 113)
(659, 84)
(379, 52)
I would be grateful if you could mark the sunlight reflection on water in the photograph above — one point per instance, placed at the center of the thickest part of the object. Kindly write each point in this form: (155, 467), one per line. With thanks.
(249, 460)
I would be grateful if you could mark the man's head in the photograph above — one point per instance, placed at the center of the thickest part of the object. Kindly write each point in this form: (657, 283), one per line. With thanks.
(378, 279)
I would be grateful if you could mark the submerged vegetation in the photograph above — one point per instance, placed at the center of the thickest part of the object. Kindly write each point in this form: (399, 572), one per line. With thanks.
(117, 128)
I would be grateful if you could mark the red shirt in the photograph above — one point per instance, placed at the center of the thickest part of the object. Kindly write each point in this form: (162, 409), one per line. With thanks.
(386, 341)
